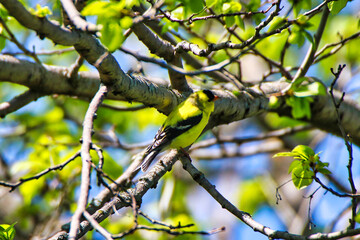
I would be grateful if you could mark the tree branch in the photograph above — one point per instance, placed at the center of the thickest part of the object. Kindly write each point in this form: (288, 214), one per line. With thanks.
(19, 102)
(86, 159)
(13, 186)
(76, 18)
(163, 49)
(248, 220)
(310, 56)
(230, 108)
(102, 206)
(347, 142)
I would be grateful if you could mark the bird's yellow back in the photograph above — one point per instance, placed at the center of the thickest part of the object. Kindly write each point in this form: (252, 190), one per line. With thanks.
(183, 126)
(197, 104)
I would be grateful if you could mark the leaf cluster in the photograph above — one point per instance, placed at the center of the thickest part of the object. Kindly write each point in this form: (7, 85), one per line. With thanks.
(305, 165)
(7, 232)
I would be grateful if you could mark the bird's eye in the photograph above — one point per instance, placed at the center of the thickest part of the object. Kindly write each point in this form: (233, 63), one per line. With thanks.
(209, 94)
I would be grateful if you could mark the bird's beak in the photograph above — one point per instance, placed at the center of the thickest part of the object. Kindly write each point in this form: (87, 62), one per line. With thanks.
(215, 98)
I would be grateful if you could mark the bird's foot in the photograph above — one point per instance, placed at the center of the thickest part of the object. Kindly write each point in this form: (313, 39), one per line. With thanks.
(185, 153)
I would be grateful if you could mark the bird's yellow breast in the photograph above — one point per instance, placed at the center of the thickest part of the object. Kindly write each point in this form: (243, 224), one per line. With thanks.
(188, 137)
(186, 110)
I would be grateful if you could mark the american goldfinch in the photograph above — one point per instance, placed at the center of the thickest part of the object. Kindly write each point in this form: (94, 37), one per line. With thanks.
(183, 126)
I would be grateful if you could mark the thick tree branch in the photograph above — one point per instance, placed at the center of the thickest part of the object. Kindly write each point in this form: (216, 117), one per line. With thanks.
(49, 80)
(93, 52)
(189, 59)
(18, 102)
(164, 49)
(230, 108)
(42, 26)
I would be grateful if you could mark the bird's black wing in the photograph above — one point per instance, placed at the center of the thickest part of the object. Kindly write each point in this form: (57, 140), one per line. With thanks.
(165, 135)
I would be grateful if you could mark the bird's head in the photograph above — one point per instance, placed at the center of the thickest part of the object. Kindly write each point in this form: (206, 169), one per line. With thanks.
(205, 99)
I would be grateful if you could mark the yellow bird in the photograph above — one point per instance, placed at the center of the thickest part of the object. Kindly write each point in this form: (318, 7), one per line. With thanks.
(183, 126)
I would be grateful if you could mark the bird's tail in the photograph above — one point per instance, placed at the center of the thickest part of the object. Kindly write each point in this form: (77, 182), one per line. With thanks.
(148, 159)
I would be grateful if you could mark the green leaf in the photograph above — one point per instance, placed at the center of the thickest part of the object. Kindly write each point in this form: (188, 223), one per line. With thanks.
(312, 89)
(126, 22)
(7, 232)
(274, 102)
(2, 43)
(240, 22)
(284, 154)
(303, 20)
(357, 218)
(235, 7)
(196, 5)
(324, 171)
(179, 13)
(300, 5)
(254, 5)
(95, 8)
(303, 168)
(304, 151)
(308, 36)
(226, 8)
(111, 35)
(295, 84)
(111, 167)
(300, 107)
(297, 37)
(40, 11)
(302, 177)
(301, 152)
(103, 10)
(232, 7)
(229, 21)
(293, 165)
(168, 26)
(251, 195)
(4, 13)
(29, 190)
(211, 3)
(276, 23)
(336, 6)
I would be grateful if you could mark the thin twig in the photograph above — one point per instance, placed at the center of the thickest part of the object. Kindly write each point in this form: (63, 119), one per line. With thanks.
(247, 219)
(192, 19)
(276, 133)
(86, 159)
(59, 167)
(76, 19)
(342, 195)
(311, 196)
(172, 232)
(207, 69)
(97, 226)
(43, 52)
(348, 144)
(18, 44)
(337, 46)
(310, 56)
(74, 69)
(153, 221)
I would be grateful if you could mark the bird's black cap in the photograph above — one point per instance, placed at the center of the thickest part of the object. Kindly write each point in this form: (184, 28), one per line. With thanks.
(210, 95)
